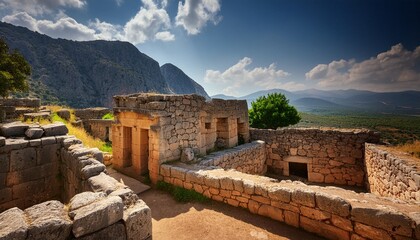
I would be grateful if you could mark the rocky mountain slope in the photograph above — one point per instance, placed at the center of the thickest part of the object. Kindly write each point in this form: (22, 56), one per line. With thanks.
(179, 82)
(85, 74)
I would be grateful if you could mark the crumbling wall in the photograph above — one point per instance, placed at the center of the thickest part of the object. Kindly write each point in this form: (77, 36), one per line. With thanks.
(331, 212)
(91, 113)
(99, 128)
(247, 158)
(332, 155)
(21, 102)
(392, 174)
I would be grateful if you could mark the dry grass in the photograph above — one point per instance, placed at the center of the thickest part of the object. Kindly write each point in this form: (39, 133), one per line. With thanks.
(412, 148)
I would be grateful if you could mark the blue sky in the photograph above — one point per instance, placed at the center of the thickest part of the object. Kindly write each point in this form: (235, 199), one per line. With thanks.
(237, 47)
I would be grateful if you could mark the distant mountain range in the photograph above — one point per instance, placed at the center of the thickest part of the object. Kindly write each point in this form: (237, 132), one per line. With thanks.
(338, 101)
(88, 74)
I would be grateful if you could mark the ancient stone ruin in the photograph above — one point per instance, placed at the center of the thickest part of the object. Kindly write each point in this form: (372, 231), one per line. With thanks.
(155, 134)
(41, 168)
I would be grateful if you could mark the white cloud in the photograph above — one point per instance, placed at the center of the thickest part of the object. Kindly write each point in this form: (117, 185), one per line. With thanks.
(394, 70)
(147, 24)
(106, 31)
(193, 15)
(36, 7)
(119, 2)
(240, 78)
(165, 36)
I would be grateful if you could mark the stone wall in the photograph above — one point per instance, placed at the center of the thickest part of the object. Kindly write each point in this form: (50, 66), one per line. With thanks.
(60, 167)
(332, 155)
(91, 113)
(331, 212)
(392, 174)
(99, 128)
(247, 158)
(21, 102)
(169, 124)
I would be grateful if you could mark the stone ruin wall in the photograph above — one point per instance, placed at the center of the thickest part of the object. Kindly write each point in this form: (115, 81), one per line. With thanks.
(8, 107)
(331, 212)
(61, 168)
(333, 156)
(91, 113)
(392, 174)
(99, 128)
(247, 158)
(173, 123)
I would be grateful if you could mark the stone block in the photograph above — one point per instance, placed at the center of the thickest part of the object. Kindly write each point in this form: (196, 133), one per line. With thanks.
(226, 183)
(416, 218)
(4, 163)
(2, 141)
(333, 204)
(127, 195)
(47, 154)
(5, 195)
(97, 215)
(211, 181)
(165, 170)
(253, 206)
(261, 199)
(323, 229)
(284, 206)
(115, 232)
(84, 199)
(291, 218)
(22, 159)
(64, 114)
(371, 232)
(384, 218)
(314, 213)
(304, 197)
(48, 141)
(177, 172)
(55, 129)
(342, 223)
(271, 212)
(104, 183)
(15, 129)
(187, 155)
(49, 221)
(34, 133)
(92, 170)
(138, 221)
(280, 194)
(13, 225)
(249, 187)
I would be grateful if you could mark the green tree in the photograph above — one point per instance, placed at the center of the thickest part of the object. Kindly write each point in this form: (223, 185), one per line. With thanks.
(14, 71)
(272, 112)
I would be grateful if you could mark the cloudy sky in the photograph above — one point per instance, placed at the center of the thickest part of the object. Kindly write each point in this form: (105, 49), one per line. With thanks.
(237, 47)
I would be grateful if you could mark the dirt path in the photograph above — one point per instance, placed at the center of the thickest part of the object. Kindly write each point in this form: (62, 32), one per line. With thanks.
(214, 221)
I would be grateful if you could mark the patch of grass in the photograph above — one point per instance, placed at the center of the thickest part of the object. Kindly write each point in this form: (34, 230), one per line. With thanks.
(412, 148)
(106, 147)
(108, 116)
(181, 194)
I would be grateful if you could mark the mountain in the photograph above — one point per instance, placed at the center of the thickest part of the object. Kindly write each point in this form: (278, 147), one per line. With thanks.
(317, 105)
(222, 96)
(179, 82)
(85, 74)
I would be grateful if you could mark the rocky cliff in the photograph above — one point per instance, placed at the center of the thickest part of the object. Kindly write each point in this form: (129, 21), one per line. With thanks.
(84, 74)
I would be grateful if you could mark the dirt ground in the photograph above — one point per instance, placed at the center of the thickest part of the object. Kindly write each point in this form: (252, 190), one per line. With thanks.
(213, 221)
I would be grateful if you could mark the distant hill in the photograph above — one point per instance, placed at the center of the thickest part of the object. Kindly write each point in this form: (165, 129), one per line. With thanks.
(86, 74)
(334, 101)
(222, 96)
(179, 82)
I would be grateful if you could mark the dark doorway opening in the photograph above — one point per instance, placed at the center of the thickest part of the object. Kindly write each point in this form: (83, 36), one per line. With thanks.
(298, 169)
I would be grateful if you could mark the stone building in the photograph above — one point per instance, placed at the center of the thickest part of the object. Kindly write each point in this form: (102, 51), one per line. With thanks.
(151, 129)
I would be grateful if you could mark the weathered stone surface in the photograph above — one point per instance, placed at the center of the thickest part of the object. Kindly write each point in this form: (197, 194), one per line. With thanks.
(304, 196)
(416, 218)
(55, 129)
(280, 194)
(187, 155)
(323, 229)
(115, 231)
(127, 195)
(22, 159)
(333, 204)
(2, 141)
(314, 213)
(13, 225)
(138, 221)
(384, 218)
(64, 114)
(342, 223)
(84, 199)
(371, 232)
(271, 212)
(104, 183)
(291, 218)
(92, 170)
(49, 220)
(97, 215)
(15, 129)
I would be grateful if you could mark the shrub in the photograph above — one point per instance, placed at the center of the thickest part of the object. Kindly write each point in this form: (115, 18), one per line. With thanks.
(108, 116)
(272, 112)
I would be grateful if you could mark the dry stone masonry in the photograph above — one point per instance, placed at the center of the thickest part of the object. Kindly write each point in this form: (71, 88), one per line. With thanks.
(151, 129)
(334, 156)
(392, 174)
(36, 173)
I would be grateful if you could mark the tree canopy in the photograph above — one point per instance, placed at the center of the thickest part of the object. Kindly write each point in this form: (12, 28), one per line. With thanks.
(272, 111)
(14, 71)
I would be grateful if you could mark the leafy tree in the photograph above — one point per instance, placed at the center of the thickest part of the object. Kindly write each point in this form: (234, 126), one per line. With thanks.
(272, 112)
(14, 71)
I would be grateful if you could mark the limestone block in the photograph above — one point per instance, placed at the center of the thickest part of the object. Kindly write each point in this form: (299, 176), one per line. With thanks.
(323, 229)
(34, 133)
(127, 195)
(115, 232)
(177, 172)
(4, 163)
(291, 218)
(304, 197)
(138, 221)
(271, 212)
(253, 206)
(249, 187)
(342, 223)
(13, 224)
(92, 170)
(64, 114)
(261, 199)
(97, 215)
(285, 206)
(280, 194)
(22, 159)
(195, 177)
(49, 221)
(104, 183)
(212, 181)
(48, 140)
(187, 155)
(371, 232)
(384, 218)
(15, 129)
(55, 129)
(226, 183)
(84, 198)
(314, 213)
(333, 204)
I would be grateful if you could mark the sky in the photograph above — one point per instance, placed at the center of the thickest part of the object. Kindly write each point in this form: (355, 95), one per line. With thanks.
(237, 47)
